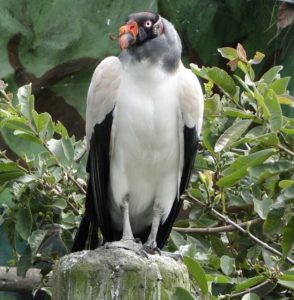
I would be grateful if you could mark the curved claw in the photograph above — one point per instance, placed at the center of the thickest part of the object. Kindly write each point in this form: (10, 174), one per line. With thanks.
(151, 250)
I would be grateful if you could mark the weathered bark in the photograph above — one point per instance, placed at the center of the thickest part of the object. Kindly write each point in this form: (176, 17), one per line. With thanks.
(117, 273)
(9, 281)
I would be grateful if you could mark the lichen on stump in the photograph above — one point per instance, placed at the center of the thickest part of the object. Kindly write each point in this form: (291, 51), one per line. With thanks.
(117, 273)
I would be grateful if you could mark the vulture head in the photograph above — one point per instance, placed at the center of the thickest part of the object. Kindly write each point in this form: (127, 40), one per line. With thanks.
(146, 35)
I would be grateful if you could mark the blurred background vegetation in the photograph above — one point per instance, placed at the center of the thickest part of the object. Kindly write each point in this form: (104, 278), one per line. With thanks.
(56, 45)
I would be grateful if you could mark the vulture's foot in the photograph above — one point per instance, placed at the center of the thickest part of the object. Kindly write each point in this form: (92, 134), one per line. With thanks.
(150, 250)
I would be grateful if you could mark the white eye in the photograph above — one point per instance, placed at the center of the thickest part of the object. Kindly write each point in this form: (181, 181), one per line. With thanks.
(148, 24)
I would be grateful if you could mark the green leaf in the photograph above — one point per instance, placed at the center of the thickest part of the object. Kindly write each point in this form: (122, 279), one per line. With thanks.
(288, 237)
(228, 52)
(251, 296)
(59, 203)
(24, 222)
(199, 72)
(287, 275)
(212, 105)
(285, 183)
(273, 222)
(269, 76)
(227, 264)
(264, 171)
(261, 104)
(61, 130)
(287, 195)
(287, 284)
(245, 86)
(238, 168)
(218, 278)
(248, 283)
(36, 238)
(181, 294)
(80, 149)
(279, 86)
(177, 239)
(9, 171)
(231, 134)
(273, 105)
(26, 101)
(237, 113)
(197, 272)
(44, 125)
(222, 79)
(58, 150)
(27, 136)
(219, 247)
(289, 131)
(269, 139)
(24, 262)
(262, 207)
(249, 160)
(68, 149)
(18, 123)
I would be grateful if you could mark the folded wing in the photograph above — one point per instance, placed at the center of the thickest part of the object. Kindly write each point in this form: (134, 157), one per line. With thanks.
(101, 100)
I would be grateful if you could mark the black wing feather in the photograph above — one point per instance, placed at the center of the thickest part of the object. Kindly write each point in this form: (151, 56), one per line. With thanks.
(190, 150)
(97, 212)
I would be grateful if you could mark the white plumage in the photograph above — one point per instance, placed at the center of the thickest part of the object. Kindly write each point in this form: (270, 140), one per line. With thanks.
(151, 107)
(144, 108)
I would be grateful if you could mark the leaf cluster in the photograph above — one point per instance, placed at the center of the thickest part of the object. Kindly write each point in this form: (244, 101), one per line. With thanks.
(244, 173)
(42, 195)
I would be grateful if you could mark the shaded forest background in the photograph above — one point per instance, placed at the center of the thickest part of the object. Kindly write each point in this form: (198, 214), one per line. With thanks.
(56, 45)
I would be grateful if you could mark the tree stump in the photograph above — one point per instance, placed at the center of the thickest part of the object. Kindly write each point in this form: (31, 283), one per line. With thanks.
(117, 273)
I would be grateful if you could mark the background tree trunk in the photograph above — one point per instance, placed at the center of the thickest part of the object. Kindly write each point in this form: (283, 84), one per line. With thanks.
(9, 281)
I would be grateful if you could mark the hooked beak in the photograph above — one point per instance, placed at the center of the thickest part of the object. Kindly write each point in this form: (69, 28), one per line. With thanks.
(128, 35)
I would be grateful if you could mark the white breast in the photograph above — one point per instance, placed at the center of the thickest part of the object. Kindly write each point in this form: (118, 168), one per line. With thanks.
(145, 151)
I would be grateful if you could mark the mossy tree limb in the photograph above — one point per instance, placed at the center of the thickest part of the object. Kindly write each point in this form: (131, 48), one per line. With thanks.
(117, 273)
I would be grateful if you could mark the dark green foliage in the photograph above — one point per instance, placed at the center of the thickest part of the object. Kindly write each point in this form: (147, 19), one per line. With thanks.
(244, 172)
(244, 169)
(42, 195)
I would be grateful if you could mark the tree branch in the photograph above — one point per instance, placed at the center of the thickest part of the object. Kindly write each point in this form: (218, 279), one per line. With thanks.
(253, 237)
(9, 281)
(227, 228)
(251, 290)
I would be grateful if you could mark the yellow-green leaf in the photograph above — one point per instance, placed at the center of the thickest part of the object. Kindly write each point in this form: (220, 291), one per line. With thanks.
(222, 79)
(271, 101)
(248, 283)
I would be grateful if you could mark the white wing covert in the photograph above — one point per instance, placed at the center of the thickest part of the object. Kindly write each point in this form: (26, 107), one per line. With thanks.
(103, 92)
(191, 99)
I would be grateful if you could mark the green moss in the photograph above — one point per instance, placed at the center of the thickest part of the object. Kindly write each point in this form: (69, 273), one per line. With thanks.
(117, 274)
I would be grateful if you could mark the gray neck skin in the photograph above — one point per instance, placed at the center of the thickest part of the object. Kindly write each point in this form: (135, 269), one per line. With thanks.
(165, 49)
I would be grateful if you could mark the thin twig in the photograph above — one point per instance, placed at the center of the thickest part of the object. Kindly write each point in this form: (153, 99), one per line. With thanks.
(286, 150)
(250, 290)
(253, 237)
(227, 228)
